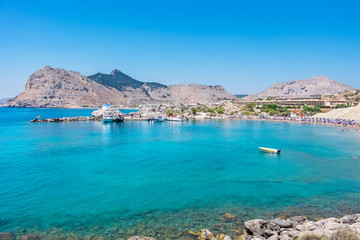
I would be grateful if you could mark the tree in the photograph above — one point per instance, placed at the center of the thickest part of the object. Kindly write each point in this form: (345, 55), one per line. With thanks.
(193, 110)
(219, 110)
(250, 107)
(312, 110)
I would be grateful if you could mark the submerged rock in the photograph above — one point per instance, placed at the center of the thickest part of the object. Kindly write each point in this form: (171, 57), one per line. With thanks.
(6, 236)
(30, 237)
(140, 238)
(205, 234)
(222, 236)
(228, 217)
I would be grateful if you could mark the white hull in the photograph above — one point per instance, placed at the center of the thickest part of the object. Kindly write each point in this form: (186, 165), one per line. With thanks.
(175, 119)
(269, 150)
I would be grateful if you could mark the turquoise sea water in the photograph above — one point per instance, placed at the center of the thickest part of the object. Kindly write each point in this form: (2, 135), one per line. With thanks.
(163, 179)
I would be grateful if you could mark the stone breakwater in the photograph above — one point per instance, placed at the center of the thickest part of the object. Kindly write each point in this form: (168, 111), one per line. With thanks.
(96, 116)
(66, 119)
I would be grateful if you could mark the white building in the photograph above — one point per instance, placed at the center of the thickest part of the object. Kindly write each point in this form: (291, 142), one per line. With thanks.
(106, 107)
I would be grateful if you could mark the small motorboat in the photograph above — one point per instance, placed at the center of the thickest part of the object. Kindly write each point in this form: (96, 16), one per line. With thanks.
(270, 150)
(175, 119)
(108, 118)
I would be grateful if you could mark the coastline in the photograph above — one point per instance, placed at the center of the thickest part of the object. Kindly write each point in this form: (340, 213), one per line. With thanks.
(280, 228)
(311, 121)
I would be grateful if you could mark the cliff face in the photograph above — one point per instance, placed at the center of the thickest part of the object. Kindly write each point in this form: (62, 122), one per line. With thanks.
(319, 85)
(56, 87)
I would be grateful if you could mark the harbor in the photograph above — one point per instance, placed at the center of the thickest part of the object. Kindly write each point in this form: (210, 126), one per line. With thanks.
(156, 113)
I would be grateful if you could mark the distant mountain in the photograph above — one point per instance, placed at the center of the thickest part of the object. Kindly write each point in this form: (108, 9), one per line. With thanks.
(4, 100)
(241, 95)
(318, 85)
(56, 87)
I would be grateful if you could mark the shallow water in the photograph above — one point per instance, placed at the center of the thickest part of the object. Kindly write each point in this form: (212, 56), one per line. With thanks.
(162, 179)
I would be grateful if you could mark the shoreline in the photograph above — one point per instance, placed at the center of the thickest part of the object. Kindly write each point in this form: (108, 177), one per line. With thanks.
(280, 228)
(310, 121)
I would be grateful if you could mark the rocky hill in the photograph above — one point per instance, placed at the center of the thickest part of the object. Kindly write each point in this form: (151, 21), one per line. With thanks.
(318, 85)
(353, 96)
(56, 87)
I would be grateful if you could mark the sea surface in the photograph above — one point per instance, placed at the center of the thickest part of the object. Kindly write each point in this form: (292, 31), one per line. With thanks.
(115, 180)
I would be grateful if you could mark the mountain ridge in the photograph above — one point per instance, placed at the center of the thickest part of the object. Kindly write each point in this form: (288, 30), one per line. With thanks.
(56, 87)
(316, 85)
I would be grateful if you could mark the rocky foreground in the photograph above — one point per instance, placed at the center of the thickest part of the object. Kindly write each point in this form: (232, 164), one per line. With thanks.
(299, 227)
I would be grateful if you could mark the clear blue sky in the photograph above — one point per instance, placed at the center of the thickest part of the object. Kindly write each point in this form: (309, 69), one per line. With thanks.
(244, 46)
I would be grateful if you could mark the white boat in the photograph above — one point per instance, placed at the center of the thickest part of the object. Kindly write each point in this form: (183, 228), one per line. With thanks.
(175, 119)
(270, 150)
(108, 119)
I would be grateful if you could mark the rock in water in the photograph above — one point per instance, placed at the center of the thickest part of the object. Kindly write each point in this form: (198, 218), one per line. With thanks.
(228, 217)
(6, 236)
(140, 238)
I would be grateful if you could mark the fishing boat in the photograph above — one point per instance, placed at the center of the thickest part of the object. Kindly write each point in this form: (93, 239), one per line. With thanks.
(270, 150)
(175, 119)
(108, 118)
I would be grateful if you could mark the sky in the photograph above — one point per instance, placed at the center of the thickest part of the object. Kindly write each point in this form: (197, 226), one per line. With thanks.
(245, 46)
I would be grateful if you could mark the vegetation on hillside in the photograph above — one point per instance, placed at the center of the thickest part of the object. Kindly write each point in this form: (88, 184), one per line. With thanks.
(274, 109)
(312, 110)
(120, 81)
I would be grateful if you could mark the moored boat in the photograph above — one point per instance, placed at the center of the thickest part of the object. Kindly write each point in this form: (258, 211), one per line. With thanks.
(175, 119)
(108, 118)
(270, 150)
